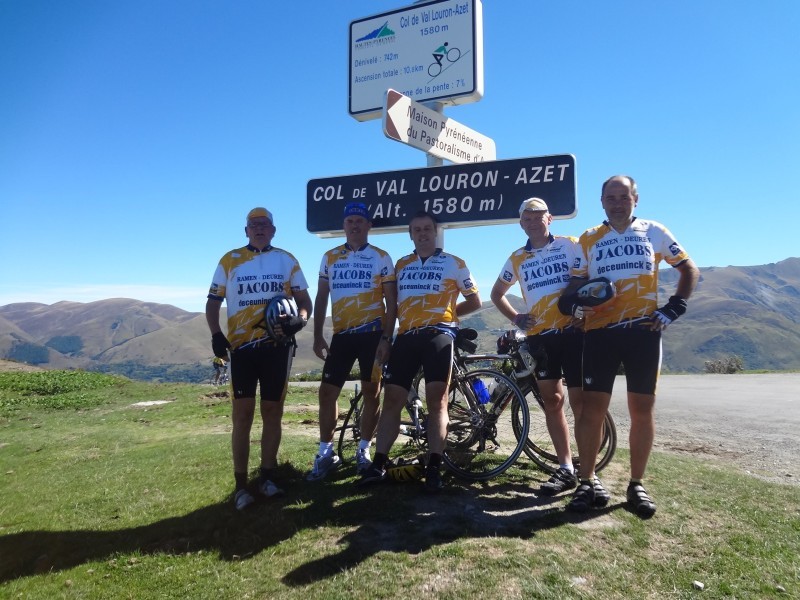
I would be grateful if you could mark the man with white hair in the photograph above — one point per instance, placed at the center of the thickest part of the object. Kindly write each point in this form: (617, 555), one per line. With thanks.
(247, 279)
(542, 267)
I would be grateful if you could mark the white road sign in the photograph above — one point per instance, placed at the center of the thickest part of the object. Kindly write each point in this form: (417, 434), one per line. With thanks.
(430, 52)
(412, 123)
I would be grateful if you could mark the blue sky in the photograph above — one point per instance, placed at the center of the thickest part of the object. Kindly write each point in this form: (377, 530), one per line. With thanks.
(135, 136)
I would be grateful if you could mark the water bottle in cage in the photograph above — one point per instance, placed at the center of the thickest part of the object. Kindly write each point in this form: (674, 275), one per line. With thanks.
(416, 404)
(481, 393)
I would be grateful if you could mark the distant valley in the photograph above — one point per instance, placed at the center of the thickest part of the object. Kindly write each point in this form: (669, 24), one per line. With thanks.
(751, 312)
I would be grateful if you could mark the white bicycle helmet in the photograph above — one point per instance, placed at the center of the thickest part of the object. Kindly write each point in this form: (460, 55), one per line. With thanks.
(279, 309)
(595, 292)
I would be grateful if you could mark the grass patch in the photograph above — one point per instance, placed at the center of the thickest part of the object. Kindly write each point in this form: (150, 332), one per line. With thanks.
(119, 499)
(54, 390)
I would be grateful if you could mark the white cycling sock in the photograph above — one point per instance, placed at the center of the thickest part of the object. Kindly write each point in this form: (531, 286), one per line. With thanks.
(325, 448)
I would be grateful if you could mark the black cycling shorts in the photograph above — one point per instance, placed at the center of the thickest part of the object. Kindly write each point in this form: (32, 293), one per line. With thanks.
(344, 350)
(638, 350)
(268, 364)
(564, 355)
(427, 348)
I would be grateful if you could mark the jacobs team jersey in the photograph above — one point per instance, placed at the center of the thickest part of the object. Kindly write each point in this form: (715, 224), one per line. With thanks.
(630, 260)
(543, 273)
(427, 293)
(247, 280)
(355, 279)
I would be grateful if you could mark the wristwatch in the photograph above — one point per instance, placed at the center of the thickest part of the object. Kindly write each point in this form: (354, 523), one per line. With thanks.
(387, 338)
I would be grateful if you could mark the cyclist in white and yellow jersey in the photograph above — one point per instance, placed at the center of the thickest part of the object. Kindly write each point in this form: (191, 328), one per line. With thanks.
(626, 330)
(246, 279)
(542, 267)
(360, 280)
(429, 282)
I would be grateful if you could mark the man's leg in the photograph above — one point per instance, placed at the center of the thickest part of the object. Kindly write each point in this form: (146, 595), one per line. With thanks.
(325, 459)
(271, 415)
(589, 430)
(372, 405)
(553, 397)
(394, 399)
(576, 402)
(564, 478)
(242, 421)
(328, 411)
(436, 398)
(640, 407)
(588, 435)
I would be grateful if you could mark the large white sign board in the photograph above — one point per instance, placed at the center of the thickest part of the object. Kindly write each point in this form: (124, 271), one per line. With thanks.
(429, 52)
(414, 124)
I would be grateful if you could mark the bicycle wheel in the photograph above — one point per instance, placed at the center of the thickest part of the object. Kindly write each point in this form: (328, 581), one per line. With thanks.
(481, 440)
(539, 446)
(350, 430)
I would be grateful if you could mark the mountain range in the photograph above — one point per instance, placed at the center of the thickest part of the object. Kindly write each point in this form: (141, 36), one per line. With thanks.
(750, 312)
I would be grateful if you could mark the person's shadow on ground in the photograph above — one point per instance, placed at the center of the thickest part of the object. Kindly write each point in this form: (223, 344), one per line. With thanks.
(386, 517)
(412, 521)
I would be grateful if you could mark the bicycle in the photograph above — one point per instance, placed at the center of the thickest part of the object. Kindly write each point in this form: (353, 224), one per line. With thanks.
(482, 439)
(539, 447)
(412, 427)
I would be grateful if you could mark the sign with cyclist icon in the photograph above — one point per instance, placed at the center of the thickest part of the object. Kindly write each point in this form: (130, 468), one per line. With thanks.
(430, 52)
(443, 52)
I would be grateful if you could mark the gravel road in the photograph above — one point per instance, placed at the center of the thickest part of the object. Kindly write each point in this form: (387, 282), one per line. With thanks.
(750, 420)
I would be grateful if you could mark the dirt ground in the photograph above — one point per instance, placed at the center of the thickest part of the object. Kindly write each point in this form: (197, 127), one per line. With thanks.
(752, 421)
(10, 365)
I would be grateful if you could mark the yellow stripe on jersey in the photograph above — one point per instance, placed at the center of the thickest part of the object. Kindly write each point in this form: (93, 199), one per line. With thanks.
(355, 279)
(630, 260)
(248, 280)
(542, 274)
(427, 293)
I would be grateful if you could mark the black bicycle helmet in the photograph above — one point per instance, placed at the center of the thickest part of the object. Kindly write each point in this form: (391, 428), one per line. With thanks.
(280, 308)
(507, 341)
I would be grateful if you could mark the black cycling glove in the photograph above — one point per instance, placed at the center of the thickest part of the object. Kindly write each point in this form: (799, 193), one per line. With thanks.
(293, 325)
(220, 345)
(670, 311)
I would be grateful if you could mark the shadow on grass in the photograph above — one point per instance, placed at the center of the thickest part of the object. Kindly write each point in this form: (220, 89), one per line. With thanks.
(403, 518)
(387, 517)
